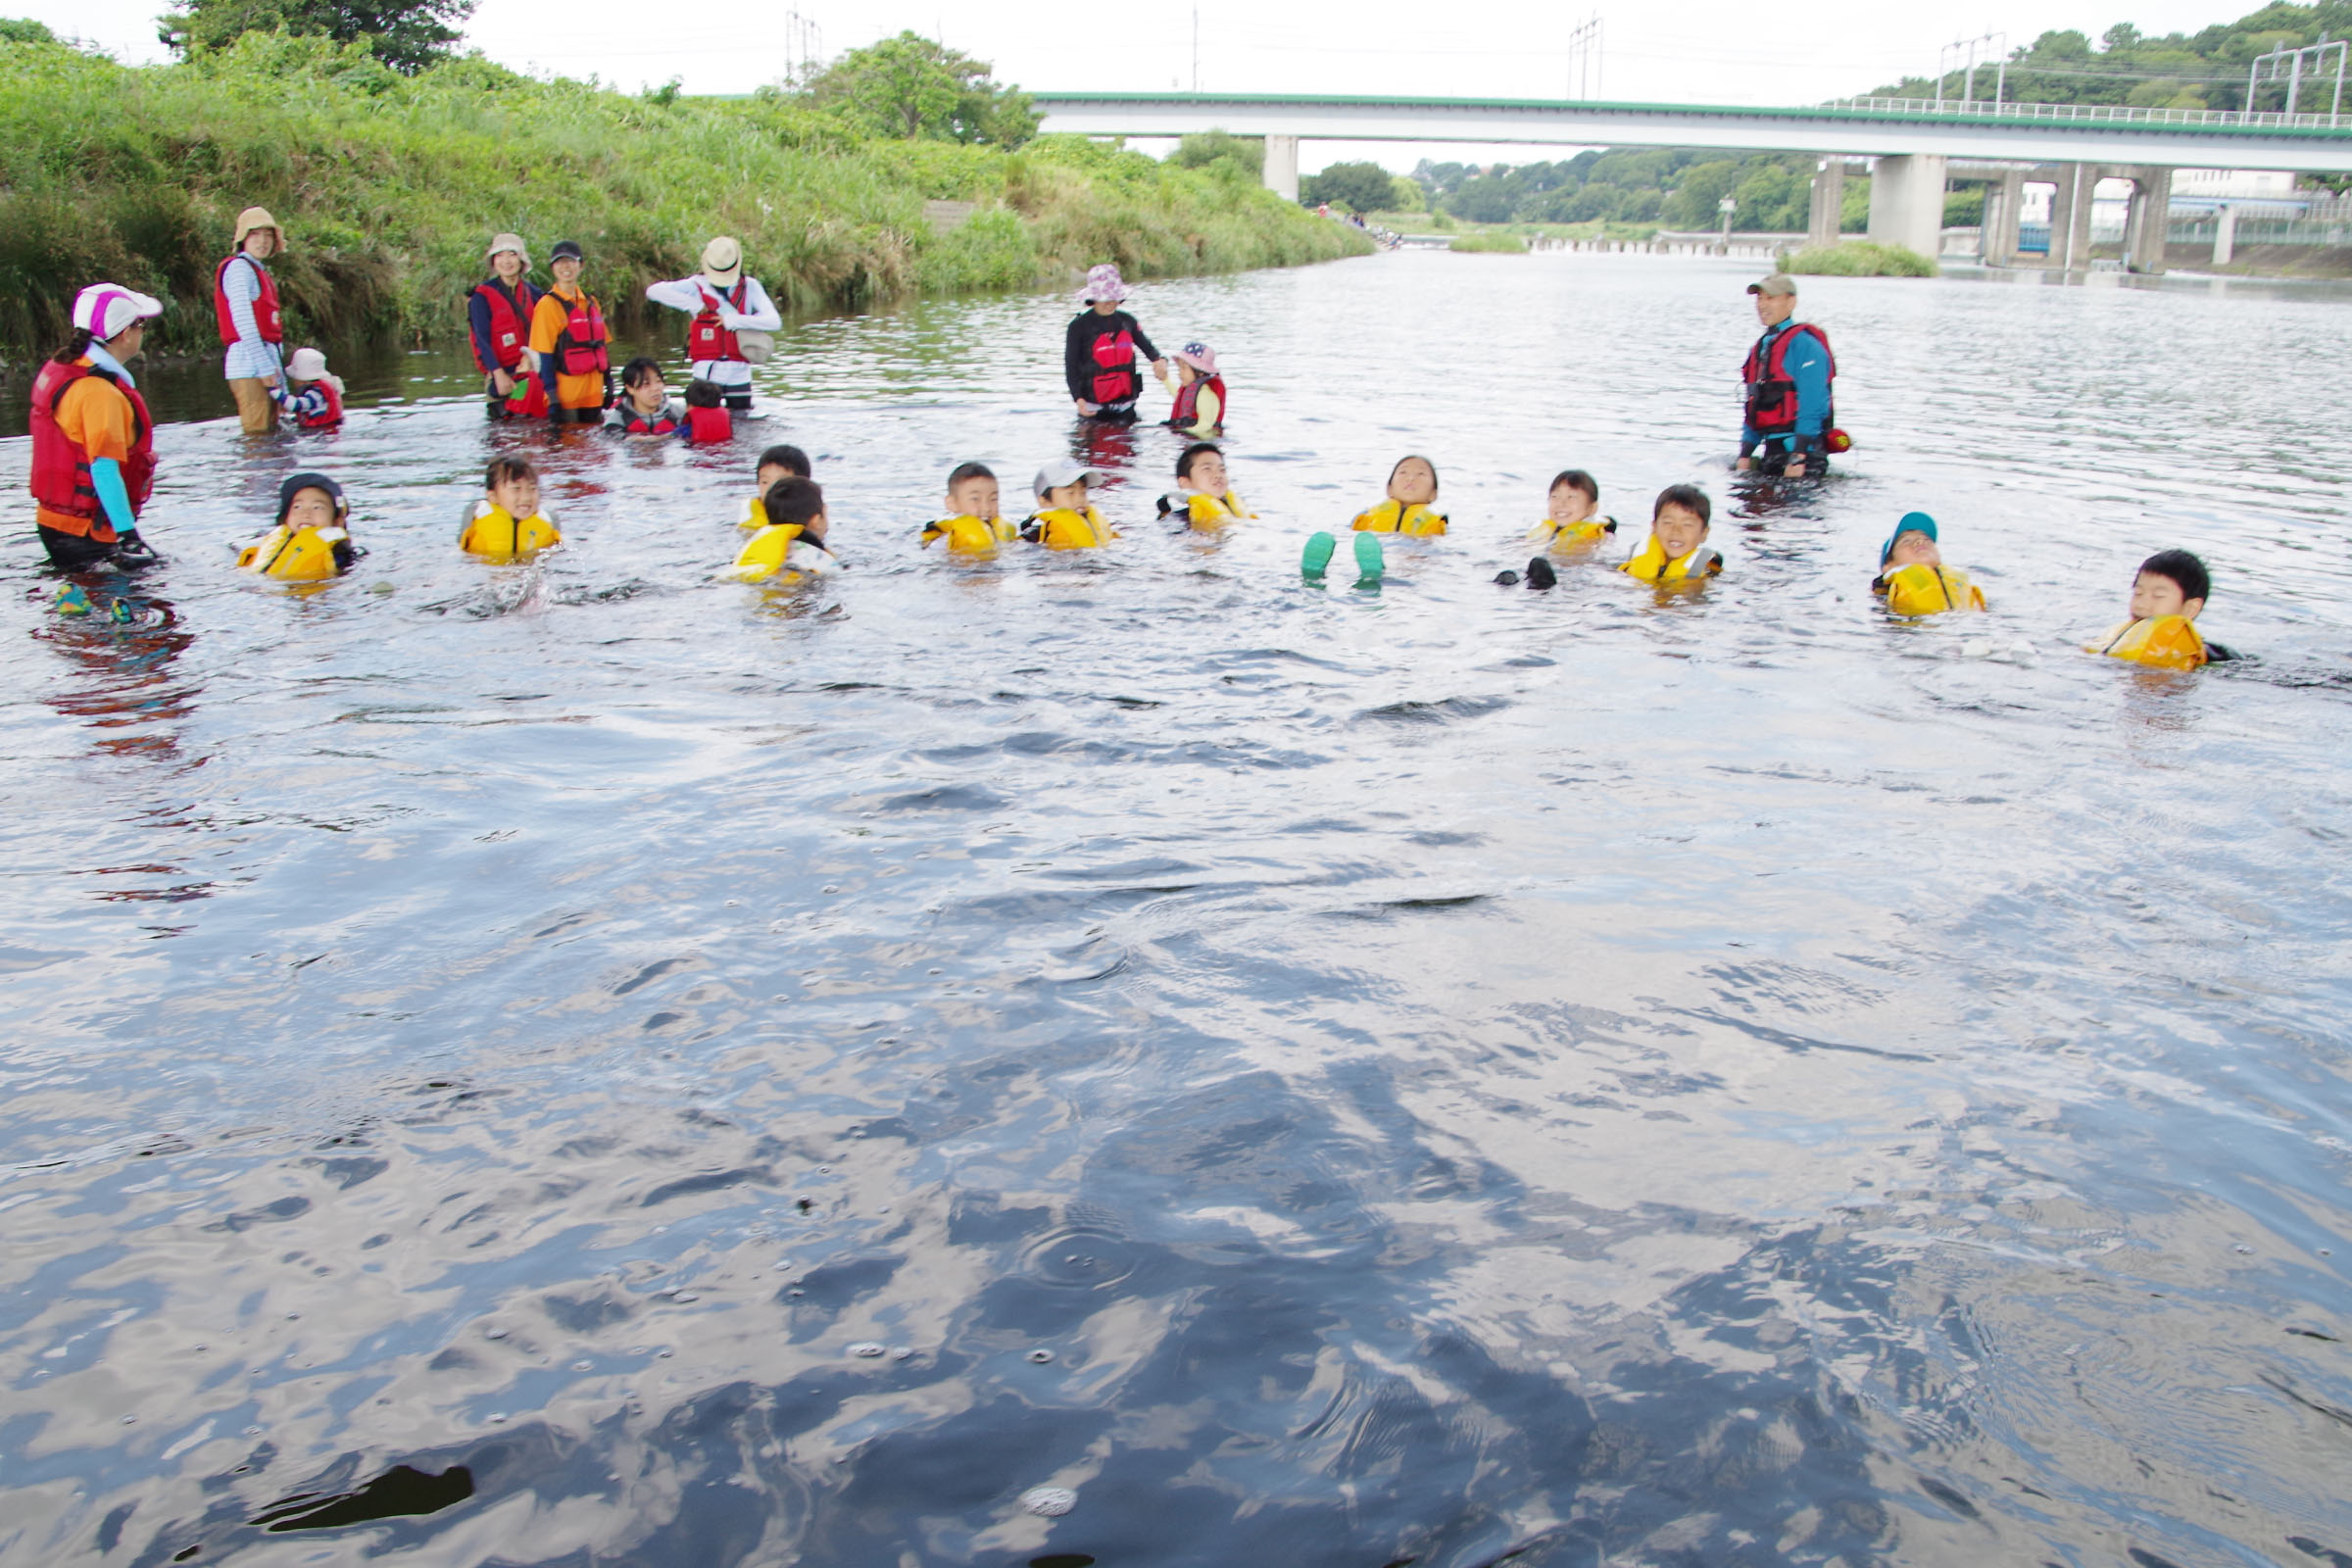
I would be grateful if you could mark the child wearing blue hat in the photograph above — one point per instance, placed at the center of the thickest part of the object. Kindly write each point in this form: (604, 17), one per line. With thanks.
(1912, 576)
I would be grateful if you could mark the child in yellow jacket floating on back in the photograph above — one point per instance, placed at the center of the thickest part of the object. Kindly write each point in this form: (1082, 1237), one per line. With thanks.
(1065, 520)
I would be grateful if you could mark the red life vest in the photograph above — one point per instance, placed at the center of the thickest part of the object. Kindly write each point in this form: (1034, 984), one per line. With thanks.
(510, 322)
(1115, 379)
(325, 418)
(580, 346)
(709, 424)
(1188, 397)
(708, 337)
(264, 304)
(61, 468)
(1771, 394)
(633, 423)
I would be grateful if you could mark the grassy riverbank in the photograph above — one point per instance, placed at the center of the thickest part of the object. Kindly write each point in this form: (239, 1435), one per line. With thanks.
(1859, 258)
(389, 186)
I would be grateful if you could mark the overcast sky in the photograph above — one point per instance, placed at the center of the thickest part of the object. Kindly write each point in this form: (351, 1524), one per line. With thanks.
(1680, 51)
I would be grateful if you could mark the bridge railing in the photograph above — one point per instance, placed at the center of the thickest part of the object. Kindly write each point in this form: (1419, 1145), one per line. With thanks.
(2113, 113)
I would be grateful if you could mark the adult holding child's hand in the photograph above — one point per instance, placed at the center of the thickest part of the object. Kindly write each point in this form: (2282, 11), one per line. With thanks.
(1098, 361)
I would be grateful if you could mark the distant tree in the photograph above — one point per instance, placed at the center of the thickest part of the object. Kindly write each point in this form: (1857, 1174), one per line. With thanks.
(1405, 195)
(916, 89)
(1203, 150)
(406, 34)
(1358, 188)
(19, 30)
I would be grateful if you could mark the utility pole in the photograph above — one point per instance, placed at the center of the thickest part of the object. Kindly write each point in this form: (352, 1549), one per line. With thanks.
(1726, 207)
(1963, 56)
(1584, 58)
(1195, 48)
(2293, 60)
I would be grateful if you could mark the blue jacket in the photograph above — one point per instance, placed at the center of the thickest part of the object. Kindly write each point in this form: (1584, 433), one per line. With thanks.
(1809, 367)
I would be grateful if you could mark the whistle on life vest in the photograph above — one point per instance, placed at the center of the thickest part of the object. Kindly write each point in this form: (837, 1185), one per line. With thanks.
(1836, 441)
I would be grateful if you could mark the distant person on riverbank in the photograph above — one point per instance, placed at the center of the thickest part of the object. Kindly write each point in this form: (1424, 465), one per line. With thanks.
(2168, 594)
(1571, 519)
(1099, 359)
(973, 525)
(1199, 408)
(1676, 550)
(1204, 495)
(732, 317)
(1912, 576)
(1412, 504)
(245, 300)
(645, 406)
(1065, 520)
(780, 461)
(792, 547)
(498, 317)
(310, 541)
(311, 395)
(1787, 382)
(569, 342)
(93, 443)
(506, 525)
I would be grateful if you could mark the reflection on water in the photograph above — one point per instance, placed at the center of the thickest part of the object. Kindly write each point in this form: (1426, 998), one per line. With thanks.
(580, 1061)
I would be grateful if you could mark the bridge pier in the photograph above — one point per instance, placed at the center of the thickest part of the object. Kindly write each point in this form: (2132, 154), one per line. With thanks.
(2070, 216)
(1906, 203)
(2149, 220)
(2225, 234)
(1282, 166)
(2004, 207)
(1829, 202)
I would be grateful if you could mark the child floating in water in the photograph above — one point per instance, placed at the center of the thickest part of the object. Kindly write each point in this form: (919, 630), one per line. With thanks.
(310, 541)
(973, 525)
(311, 394)
(1064, 518)
(780, 461)
(1676, 550)
(1411, 504)
(2167, 595)
(708, 421)
(645, 406)
(1569, 522)
(792, 547)
(1912, 576)
(506, 525)
(1204, 495)
(1199, 408)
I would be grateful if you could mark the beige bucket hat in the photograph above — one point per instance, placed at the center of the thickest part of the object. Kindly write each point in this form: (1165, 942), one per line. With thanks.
(722, 260)
(253, 217)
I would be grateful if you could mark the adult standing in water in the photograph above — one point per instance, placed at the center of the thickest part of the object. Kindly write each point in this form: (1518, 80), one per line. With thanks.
(1786, 382)
(93, 444)
(499, 320)
(1098, 360)
(569, 343)
(724, 304)
(245, 299)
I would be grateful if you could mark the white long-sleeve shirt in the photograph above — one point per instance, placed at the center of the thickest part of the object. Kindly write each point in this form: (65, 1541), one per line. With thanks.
(249, 355)
(760, 315)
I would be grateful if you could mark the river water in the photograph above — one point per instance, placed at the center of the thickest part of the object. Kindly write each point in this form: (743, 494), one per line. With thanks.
(585, 1064)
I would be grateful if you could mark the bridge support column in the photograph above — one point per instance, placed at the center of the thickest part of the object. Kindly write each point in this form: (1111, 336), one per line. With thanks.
(2225, 234)
(1282, 166)
(2005, 207)
(2070, 216)
(2150, 221)
(1829, 202)
(1906, 203)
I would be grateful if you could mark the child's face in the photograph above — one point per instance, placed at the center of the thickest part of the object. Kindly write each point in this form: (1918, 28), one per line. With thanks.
(1186, 375)
(1072, 496)
(1913, 549)
(768, 474)
(1415, 483)
(518, 497)
(649, 394)
(1680, 531)
(312, 509)
(1571, 505)
(2155, 595)
(973, 498)
(1208, 476)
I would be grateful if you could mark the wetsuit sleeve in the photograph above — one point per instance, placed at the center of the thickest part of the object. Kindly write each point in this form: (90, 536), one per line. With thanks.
(1141, 342)
(548, 324)
(1078, 361)
(106, 477)
(1809, 367)
(682, 294)
(477, 318)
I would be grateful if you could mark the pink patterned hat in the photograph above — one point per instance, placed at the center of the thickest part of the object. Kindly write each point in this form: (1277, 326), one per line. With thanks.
(1199, 356)
(1103, 284)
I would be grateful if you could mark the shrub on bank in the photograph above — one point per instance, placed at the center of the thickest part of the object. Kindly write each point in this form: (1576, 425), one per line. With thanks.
(389, 186)
(1859, 258)
(1489, 244)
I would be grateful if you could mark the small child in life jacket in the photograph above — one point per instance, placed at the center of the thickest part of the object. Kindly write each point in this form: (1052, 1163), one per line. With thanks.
(309, 394)
(1064, 518)
(310, 541)
(645, 406)
(780, 461)
(507, 524)
(2167, 595)
(1676, 550)
(708, 421)
(1199, 408)
(1411, 505)
(973, 526)
(1912, 576)
(1570, 523)
(1204, 495)
(792, 547)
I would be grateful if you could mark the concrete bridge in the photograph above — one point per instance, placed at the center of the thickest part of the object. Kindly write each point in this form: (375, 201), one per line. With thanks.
(2070, 147)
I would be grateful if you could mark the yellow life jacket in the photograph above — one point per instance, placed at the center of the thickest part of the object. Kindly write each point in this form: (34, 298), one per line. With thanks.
(1920, 589)
(1394, 516)
(493, 533)
(778, 555)
(754, 515)
(295, 555)
(1060, 529)
(1649, 564)
(2162, 641)
(1214, 511)
(968, 535)
(1567, 536)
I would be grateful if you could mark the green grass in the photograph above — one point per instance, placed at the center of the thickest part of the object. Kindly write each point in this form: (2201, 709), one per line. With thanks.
(390, 186)
(1859, 258)
(1489, 244)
